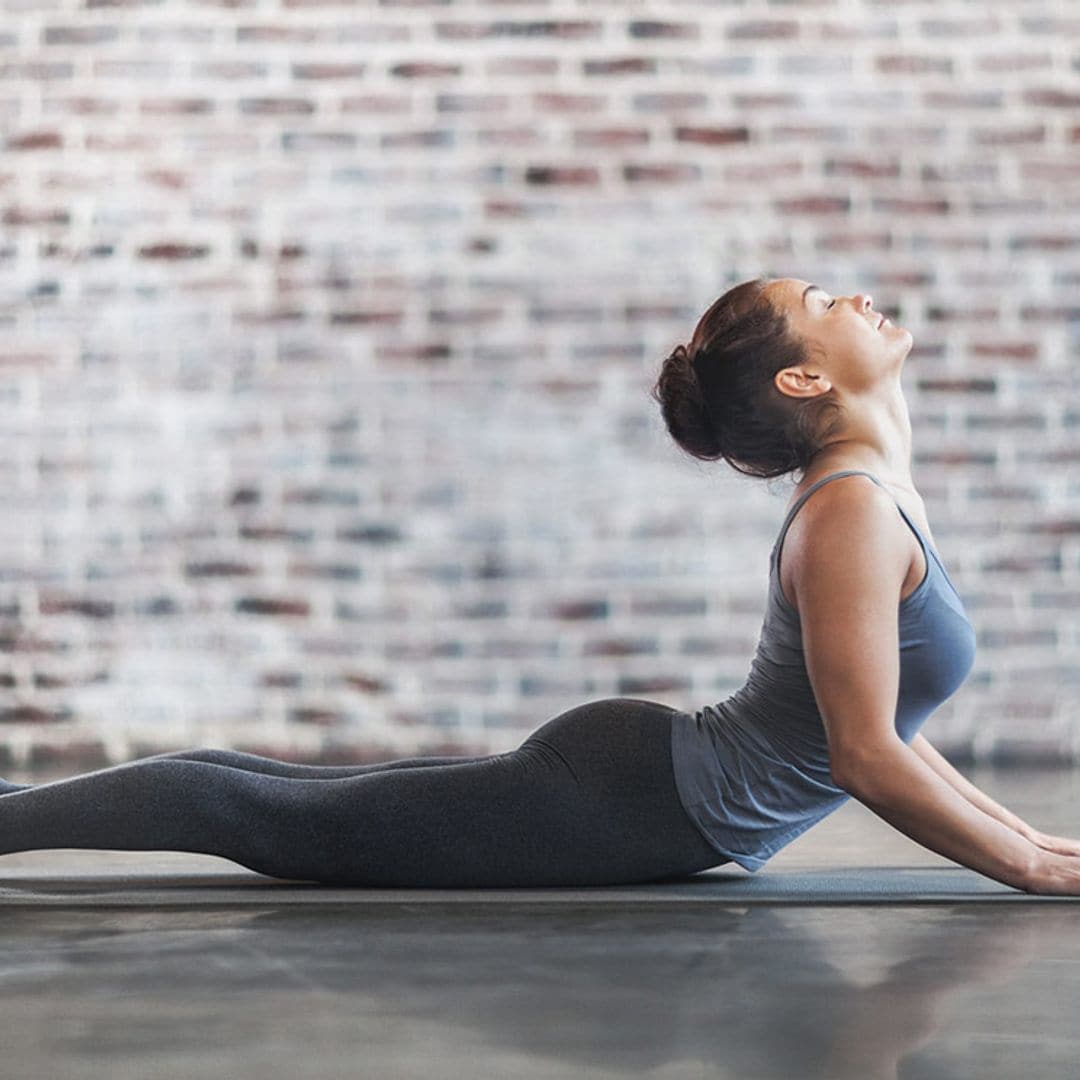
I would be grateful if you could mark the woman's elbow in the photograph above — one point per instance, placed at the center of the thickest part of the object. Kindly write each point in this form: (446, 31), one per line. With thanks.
(855, 773)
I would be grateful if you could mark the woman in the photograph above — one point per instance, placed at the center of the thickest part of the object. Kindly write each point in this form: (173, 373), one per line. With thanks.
(863, 636)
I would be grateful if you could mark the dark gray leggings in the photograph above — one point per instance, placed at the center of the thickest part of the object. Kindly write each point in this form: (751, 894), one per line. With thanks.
(587, 799)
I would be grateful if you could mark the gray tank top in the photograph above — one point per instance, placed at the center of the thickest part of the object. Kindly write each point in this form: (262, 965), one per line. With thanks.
(752, 771)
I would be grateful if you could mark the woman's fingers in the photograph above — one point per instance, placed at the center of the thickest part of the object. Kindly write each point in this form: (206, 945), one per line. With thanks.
(1057, 875)
(1060, 845)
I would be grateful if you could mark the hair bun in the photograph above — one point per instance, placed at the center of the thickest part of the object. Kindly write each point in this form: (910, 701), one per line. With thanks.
(681, 355)
(682, 399)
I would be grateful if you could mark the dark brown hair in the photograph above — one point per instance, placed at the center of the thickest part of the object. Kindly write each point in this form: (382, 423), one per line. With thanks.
(718, 397)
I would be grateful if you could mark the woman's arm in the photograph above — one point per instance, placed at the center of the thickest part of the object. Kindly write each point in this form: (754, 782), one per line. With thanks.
(891, 779)
(1060, 844)
(978, 798)
(849, 569)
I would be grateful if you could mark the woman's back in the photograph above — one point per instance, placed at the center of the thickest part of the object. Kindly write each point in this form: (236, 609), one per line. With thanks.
(753, 771)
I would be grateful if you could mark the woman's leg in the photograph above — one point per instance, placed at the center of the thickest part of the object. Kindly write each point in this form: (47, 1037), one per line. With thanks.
(587, 799)
(237, 759)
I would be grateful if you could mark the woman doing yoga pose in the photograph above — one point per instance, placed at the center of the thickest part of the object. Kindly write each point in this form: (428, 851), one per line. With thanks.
(863, 636)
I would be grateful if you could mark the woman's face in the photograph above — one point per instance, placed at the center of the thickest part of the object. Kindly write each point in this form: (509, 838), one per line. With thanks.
(848, 345)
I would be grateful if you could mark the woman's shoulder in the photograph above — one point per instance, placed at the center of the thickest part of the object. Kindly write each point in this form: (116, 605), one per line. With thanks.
(847, 518)
(820, 496)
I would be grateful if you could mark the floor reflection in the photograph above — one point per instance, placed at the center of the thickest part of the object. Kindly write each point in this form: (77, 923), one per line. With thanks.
(752, 992)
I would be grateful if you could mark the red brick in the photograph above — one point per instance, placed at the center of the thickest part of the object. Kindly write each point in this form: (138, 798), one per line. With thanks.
(1055, 526)
(368, 317)
(553, 29)
(523, 65)
(37, 70)
(911, 205)
(1051, 241)
(472, 103)
(77, 756)
(275, 106)
(325, 70)
(425, 70)
(959, 386)
(1018, 135)
(316, 717)
(84, 105)
(410, 139)
(270, 34)
(1057, 172)
(252, 605)
(611, 137)
(963, 99)
(34, 140)
(377, 104)
(1011, 62)
(1003, 350)
(220, 568)
(573, 610)
(650, 28)
(137, 142)
(433, 355)
(568, 103)
(814, 204)
(763, 29)
(897, 64)
(854, 240)
(79, 35)
(963, 27)
(659, 172)
(641, 685)
(620, 646)
(33, 714)
(712, 136)
(21, 215)
(366, 684)
(515, 210)
(769, 100)
(176, 106)
(173, 179)
(573, 175)
(624, 65)
(172, 252)
(53, 604)
(1051, 98)
(231, 69)
(975, 313)
(277, 680)
(676, 101)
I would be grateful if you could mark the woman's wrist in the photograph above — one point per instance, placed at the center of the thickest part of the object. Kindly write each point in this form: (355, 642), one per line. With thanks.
(1037, 879)
(1027, 832)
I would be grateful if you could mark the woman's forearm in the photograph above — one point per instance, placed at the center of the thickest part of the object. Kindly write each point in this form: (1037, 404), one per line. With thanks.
(899, 786)
(978, 798)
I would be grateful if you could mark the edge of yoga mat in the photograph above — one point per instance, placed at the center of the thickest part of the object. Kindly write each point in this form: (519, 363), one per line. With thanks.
(902, 885)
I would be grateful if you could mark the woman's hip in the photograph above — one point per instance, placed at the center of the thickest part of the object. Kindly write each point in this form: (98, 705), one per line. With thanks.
(615, 755)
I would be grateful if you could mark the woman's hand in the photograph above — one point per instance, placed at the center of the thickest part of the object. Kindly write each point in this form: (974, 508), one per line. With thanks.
(1057, 870)
(1059, 845)
(1055, 875)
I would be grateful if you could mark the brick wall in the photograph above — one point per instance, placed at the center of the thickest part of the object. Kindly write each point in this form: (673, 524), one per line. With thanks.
(327, 329)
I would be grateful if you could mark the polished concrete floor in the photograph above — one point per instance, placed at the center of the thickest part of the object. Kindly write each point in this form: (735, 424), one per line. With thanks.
(163, 965)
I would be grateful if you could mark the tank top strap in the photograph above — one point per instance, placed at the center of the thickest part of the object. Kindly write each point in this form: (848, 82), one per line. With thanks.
(810, 491)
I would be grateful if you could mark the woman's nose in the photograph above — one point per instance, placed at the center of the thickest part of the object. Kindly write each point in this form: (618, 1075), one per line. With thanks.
(864, 301)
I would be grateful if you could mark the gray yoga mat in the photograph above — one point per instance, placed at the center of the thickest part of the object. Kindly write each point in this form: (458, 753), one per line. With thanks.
(908, 885)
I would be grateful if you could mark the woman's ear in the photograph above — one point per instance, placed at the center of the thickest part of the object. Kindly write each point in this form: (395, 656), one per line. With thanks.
(798, 382)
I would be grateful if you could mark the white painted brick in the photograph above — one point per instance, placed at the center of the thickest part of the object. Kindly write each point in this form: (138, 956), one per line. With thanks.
(203, 311)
